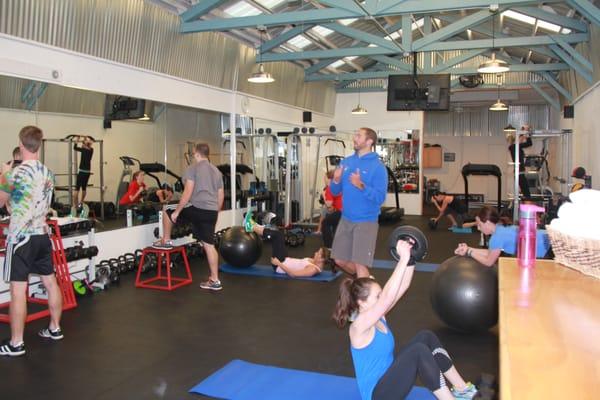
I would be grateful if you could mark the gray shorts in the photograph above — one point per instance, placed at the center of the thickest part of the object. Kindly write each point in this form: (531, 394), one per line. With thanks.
(355, 241)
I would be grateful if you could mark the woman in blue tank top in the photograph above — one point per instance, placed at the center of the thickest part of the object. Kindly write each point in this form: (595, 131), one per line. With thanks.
(379, 374)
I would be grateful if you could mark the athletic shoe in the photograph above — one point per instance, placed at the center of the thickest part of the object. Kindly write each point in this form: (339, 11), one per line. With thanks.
(467, 393)
(248, 221)
(168, 245)
(7, 349)
(50, 334)
(211, 285)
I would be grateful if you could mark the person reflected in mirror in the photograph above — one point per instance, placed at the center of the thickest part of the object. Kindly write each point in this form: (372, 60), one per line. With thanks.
(85, 146)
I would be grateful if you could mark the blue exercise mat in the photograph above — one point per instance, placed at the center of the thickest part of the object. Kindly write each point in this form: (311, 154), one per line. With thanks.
(267, 271)
(456, 229)
(391, 264)
(241, 380)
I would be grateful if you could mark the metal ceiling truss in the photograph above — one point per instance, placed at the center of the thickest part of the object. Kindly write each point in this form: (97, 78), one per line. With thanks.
(389, 54)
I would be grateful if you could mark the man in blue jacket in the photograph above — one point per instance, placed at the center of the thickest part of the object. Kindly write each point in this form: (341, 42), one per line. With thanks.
(362, 180)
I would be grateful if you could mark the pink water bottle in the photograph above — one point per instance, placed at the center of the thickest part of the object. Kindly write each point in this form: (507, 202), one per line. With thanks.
(527, 234)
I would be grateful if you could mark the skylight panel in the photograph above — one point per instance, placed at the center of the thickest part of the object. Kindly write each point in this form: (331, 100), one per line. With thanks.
(393, 35)
(242, 9)
(347, 21)
(299, 41)
(519, 17)
(565, 30)
(417, 24)
(549, 26)
(372, 45)
(321, 30)
(337, 63)
(350, 58)
(270, 4)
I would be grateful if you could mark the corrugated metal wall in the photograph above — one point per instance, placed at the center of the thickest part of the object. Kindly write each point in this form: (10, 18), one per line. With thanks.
(479, 121)
(139, 33)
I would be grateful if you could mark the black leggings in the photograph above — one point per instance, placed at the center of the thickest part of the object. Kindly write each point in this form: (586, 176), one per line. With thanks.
(330, 223)
(278, 249)
(423, 356)
(524, 186)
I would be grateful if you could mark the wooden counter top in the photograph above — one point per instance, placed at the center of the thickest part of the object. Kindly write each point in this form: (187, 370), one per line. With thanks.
(549, 328)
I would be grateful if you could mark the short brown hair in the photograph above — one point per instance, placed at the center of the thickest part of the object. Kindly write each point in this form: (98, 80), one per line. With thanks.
(371, 134)
(329, 174)
(16, 152)
(31, 137)
(202, 149)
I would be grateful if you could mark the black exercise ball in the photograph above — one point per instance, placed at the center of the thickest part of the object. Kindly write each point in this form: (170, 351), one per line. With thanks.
(464, 294)
(239, 248)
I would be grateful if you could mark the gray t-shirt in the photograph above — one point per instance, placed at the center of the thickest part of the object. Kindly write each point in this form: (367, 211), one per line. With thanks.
(207, 181)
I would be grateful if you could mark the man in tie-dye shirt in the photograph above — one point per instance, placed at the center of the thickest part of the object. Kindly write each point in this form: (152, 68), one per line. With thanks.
(27, 192)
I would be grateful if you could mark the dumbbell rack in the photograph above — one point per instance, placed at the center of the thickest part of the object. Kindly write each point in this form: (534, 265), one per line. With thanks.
(63, 278)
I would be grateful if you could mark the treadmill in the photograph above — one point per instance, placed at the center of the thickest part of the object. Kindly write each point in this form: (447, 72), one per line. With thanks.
(392, 214)
(482, 170)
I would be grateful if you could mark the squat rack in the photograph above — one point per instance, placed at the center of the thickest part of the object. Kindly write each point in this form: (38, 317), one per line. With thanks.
(73, 165)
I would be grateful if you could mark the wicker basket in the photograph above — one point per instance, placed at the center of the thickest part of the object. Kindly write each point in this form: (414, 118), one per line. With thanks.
(575, 252)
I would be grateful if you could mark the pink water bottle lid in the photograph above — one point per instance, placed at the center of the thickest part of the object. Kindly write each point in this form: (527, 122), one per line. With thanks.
(529, 210)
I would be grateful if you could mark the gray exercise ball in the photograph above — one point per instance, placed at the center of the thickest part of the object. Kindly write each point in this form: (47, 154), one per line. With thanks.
(239, 248)
(464, 294)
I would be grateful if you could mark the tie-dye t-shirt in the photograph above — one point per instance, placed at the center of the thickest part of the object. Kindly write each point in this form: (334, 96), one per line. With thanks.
(30, 187)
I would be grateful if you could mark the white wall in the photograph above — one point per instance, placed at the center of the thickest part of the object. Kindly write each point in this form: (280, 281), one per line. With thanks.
(586, 134)
(475, 150)
(386, 122)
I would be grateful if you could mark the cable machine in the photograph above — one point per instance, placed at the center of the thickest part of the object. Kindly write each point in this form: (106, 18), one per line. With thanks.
(565, 144)
(72, 168)
(292, 168)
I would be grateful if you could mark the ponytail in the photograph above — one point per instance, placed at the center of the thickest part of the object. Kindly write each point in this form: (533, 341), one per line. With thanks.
(351, 290)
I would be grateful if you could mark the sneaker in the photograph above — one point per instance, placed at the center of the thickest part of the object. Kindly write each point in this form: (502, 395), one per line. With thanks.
(7, 349)
(211, 285)
(467, 393)
(248, 221)
(50, 334)
(168, 245)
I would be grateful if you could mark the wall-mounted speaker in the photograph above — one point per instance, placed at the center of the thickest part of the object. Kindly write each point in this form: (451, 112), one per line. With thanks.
(306, 116)
(569, 112)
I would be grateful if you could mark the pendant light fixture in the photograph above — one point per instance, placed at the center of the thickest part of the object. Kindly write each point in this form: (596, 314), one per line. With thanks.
(260, 76)
(359, 110)
(498, 105)
(493, 66)
(509, 128)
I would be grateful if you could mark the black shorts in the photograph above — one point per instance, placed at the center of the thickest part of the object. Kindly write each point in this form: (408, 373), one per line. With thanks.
(33, 255)
(203, 222)
(82, 180)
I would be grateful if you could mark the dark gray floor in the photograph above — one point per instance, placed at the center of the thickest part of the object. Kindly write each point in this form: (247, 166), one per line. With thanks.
(129, 343)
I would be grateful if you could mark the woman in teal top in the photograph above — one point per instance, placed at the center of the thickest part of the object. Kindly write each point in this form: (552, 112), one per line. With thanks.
(379, 374)
(504, 238)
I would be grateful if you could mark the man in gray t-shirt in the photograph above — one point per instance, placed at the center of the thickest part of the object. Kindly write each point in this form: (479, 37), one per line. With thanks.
(199, 205)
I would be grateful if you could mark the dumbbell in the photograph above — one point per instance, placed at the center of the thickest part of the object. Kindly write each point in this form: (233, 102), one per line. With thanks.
(91, 251)
(414, 236)
(156, 233)
(291, 239)
(151, 262)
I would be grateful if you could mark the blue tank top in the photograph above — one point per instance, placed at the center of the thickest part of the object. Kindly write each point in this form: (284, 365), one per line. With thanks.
(372, 361)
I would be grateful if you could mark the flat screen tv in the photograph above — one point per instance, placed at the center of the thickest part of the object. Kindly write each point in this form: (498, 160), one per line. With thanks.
(122, 107)
(418, 92)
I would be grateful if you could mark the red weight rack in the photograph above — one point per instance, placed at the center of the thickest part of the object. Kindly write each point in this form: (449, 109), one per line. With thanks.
(63, 278)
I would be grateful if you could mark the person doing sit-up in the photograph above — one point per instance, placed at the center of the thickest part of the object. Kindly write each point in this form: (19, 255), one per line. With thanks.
(282, 264)
(382, 373)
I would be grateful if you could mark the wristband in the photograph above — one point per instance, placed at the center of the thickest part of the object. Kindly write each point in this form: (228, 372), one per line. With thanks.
(469, 253)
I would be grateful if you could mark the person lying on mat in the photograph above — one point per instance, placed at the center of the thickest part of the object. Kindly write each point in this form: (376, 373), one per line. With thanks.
(503, 240)
(453, 208)
(380, 374)
(282, 264)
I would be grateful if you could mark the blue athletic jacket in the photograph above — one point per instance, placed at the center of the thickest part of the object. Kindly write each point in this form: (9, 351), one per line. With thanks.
(362, 205)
